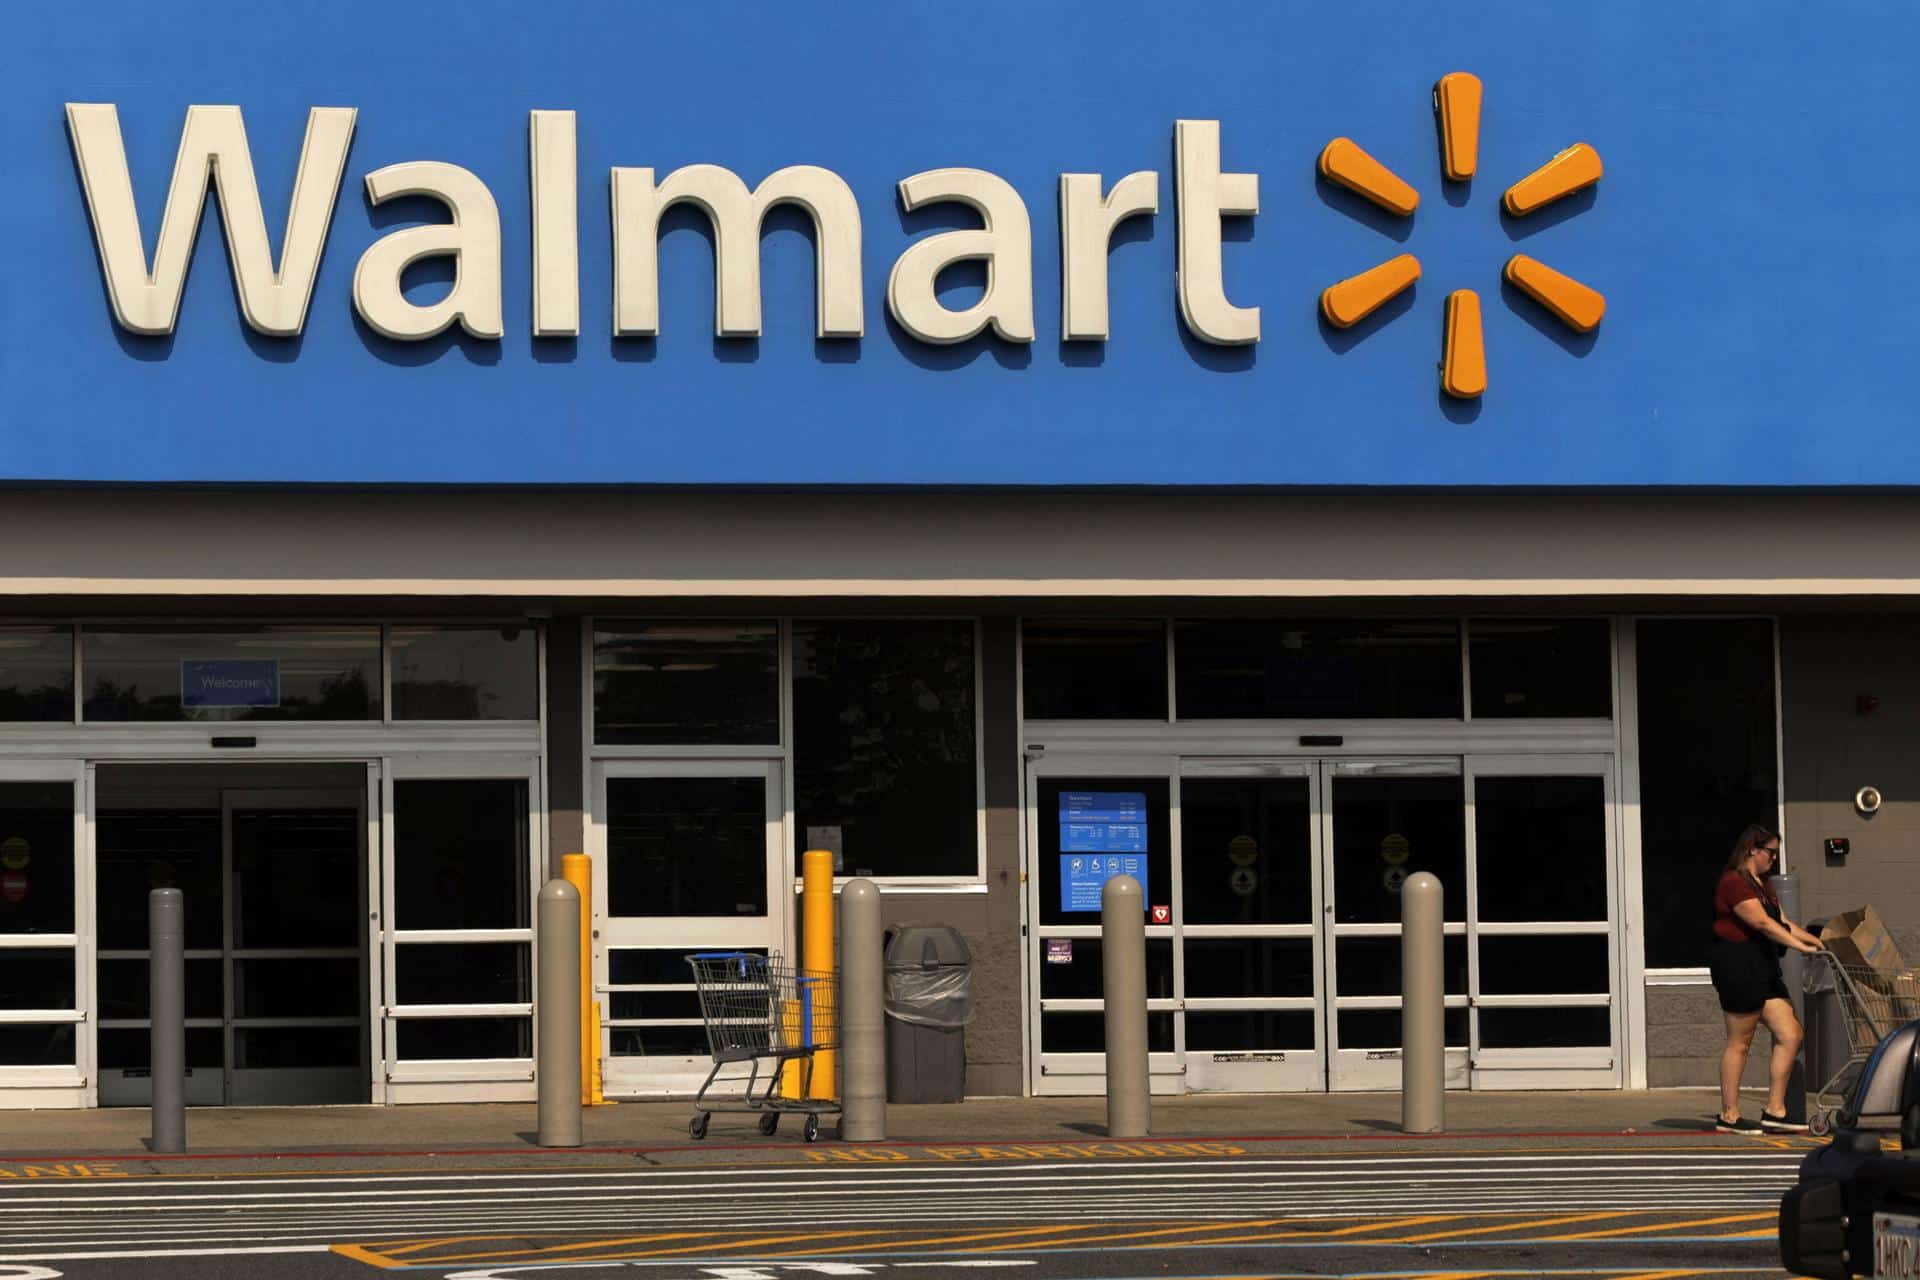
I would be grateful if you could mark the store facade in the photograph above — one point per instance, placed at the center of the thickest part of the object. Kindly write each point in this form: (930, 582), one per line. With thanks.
(350, 585)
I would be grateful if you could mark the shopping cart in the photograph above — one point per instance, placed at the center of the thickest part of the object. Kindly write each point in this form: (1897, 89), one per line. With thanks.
(1872, 1004)
(772, 1017)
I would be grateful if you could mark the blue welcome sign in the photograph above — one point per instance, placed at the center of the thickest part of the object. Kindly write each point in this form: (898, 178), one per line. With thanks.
(229, 682)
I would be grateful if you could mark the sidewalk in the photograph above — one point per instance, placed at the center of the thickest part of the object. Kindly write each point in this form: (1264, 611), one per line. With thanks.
(661, 1127)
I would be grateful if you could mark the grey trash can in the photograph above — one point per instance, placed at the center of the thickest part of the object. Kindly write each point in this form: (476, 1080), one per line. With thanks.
(929, 997)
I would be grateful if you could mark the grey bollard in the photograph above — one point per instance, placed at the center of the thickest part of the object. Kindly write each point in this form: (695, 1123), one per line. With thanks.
(863, 1027)
(1793, 971)
(556, 1015)
(1123, 951)
(167, 1006)
(1423, 1005)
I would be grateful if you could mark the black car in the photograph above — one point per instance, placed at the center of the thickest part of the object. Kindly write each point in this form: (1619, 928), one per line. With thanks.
(1856, 1208)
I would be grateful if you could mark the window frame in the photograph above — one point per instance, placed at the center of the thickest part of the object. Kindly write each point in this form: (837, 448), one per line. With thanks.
(781, 752)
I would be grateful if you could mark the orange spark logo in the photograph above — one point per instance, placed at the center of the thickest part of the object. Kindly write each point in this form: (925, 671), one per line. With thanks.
(1463, 364)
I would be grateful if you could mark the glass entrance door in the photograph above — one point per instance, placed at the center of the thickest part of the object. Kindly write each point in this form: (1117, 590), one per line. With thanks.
(296, 950)
(464, 857)
(1381, 822)
(1273, 939)
(689, 856)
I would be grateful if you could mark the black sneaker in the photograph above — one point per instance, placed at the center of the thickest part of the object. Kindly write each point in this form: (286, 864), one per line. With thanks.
(1739, 1124)
(1780, 1124)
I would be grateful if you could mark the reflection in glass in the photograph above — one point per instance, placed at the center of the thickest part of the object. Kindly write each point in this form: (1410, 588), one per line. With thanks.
(1386, 828)
(1380, 1028)
(257, 673)
(139, 850)
(1087, 1032)
(1249, 968)
(1371, 966)
(36, 1044)
(1246, 849)
(1048, 863)
(124, 989)
(1545, 1028)
(686, 847)
(463, 972)
(296, 878)
(1316, 669)
(688, 683)
(657, 1042)
(460, 853)
(1249, 1029)
(463, 1039)
(1523, 966)
(1708, 767)
(656, 966)
(36, 858)
(1082, 977)
(1540, 848)
(883, 721)
(655, 1004)
(257, 1048)
(37, 978)
(465, 673)
(313, 987)
(1094, 669)
(1541, 666)
(36, 673)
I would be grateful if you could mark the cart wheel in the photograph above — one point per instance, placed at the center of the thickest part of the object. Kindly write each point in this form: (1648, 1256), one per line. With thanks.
(770, 1123)
(813, 1129)
(697, 1126)
(1820, 1124)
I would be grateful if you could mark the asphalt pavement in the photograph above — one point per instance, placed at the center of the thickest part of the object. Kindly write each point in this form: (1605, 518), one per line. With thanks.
(1034, 1191)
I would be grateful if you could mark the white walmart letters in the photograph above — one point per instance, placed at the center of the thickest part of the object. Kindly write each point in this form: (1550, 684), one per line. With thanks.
(213, 148)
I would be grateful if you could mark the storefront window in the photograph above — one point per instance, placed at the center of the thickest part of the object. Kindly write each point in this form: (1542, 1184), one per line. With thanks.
(884, 751)
(1541, 666)
(234, 673)
(36, 673)
(465, 673)
(1316, 670)
(686, 683)
(1094, 669)
(1707, 768)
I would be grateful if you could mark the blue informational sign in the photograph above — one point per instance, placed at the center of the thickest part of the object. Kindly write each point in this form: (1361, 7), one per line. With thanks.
(1084, 875)
(229, 682)
(1759, 316)
(1103, 834)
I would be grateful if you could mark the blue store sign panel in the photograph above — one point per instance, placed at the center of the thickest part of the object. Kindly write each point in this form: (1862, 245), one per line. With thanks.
(1616, 311)
(1103, 834)
(229, 682)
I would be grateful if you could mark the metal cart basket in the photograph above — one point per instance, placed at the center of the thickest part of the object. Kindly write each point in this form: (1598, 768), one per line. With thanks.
(760, 1010)
(1872, 1003)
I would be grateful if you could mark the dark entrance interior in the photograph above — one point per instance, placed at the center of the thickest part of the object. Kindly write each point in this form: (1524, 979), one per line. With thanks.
(272, 860)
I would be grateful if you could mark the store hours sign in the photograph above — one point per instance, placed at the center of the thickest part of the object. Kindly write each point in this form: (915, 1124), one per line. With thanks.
(1103, 834)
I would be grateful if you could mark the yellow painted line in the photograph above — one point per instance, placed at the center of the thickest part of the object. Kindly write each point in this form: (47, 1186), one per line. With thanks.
(730, 1244)
(360, 1254)
(1193, 1238)
(1511, 1226)
(653, 1238)
(1664, 1226)
(1000, 1234)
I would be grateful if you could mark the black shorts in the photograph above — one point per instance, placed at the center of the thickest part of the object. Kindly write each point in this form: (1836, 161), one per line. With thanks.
(1746, 975)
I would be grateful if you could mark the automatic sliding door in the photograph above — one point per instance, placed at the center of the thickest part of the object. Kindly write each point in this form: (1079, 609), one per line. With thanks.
(1249, 937)
(1383, 822)
(296, 957)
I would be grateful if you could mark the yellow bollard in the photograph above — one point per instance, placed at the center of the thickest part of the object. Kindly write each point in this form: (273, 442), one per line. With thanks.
(790, 1070)
(577, 870)
(816, 913)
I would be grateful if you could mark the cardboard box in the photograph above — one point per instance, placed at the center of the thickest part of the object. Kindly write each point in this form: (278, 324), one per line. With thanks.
(1859, 940)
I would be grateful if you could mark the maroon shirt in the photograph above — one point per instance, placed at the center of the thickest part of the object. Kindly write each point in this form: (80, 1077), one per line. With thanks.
(1735, 888)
